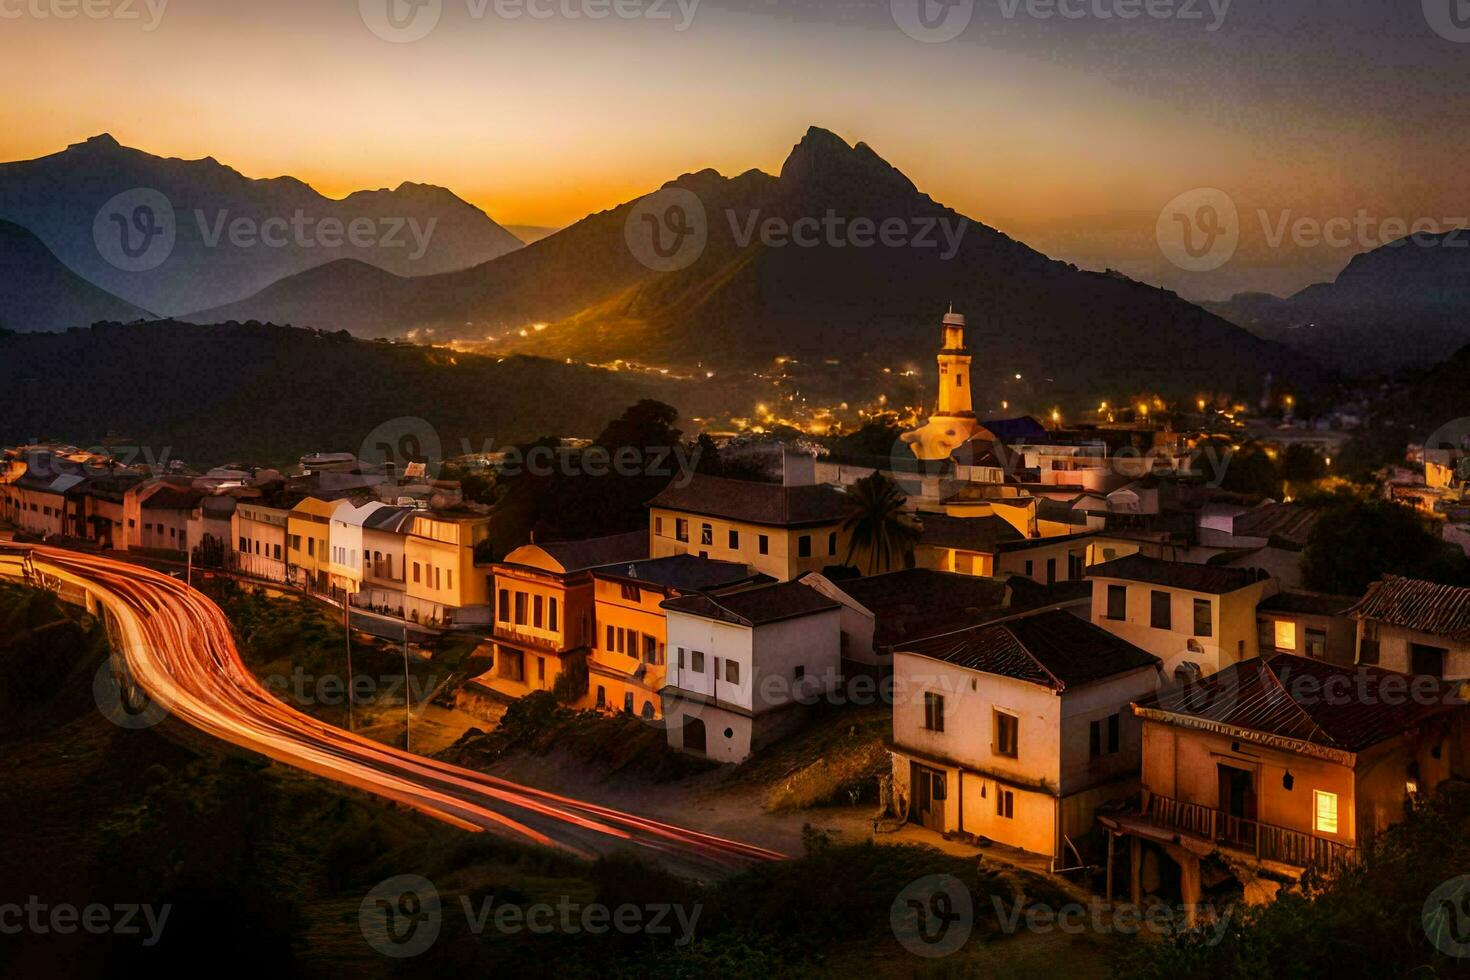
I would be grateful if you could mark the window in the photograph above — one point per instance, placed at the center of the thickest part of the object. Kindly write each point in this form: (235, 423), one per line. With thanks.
(706, 534)
(1324, 807)
(520, 600)
(278, 553)
(1007, 734)
(541, 670)
(1159, 610)
(244, 545)
(681, 529)
(1118, 602)
(601, 696)
(628, 702)
(734, 540)
(658, 528)
(1005, 803)
(311, 548)
(1426, 660)
(622, 646)
(732, 671)
(1051, 571)
(765, 545)
(1368, 646)
(1103, 737)
(832, 543)
(1203, 618)
(1316, 643)
(628, 591)
(1285, 636)
(804, 546)
(696, 661)
(504, 604)
(681, 655)
(933, 711)
(537, 611)
(417, 578)
(1030, 568)
(798, 672)
(608, 646)
(553, 615)
(650, 649)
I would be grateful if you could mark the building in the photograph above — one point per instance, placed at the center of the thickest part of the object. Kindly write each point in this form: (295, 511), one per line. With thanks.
(163, 511)
(953, 424)
(308, 542)
(991, 546)
(545, 616)
(741, 665)
(211, 527)
(104, 507)
(259, 533)
(629, 655)
(1415, 627)
(1017, 731)
(385, 571)
(347, 562)
(443, 586)
(1309, 624)
(1195, 618)
(1262, 773)
(775, 529)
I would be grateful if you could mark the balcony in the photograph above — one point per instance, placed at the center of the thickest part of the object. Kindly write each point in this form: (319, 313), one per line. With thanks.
(508, 633)
(1267, 842)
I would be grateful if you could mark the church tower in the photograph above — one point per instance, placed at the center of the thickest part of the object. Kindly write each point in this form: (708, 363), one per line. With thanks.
(954, 371)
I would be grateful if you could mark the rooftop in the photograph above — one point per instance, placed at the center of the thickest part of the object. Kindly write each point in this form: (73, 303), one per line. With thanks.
(1191, 577)
(684, 573)
(1285, 696)
(755, 607)
(919, 602)
(983, 534)
(1428, 607)
(1289, 524)
(1308, 603)
(1054, 649)
(755, 503)
(575, 556)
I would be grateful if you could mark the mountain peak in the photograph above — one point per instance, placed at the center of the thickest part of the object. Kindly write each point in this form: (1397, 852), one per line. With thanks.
(102, 141)
(823, 158)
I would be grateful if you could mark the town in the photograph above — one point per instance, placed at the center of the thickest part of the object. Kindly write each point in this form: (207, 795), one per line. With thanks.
(1098, 661)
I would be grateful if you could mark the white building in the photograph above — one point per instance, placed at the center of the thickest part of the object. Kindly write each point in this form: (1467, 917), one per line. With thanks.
(741, 664)
(345, 563)
(384, 534)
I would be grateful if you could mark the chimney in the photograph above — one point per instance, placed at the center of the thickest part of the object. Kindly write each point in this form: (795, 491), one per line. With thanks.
(798, 469)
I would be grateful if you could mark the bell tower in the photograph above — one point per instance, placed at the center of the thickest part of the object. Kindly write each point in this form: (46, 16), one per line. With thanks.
(954, 371)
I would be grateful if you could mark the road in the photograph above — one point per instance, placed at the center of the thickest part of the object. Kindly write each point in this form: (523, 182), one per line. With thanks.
(178, 649)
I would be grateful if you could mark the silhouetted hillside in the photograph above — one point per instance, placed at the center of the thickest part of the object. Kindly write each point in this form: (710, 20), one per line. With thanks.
(38, 292)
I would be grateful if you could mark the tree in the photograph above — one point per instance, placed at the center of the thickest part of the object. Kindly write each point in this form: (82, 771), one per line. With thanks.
(1355, 542)
(877, 525)
(646, 425)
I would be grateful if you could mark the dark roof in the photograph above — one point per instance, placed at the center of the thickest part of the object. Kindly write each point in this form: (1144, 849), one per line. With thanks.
(755, 607)
(1055, 649)
(575, 556)
(755, 503)
(967, 533)
(1308, 603)
(1060, 511)
(390, 519)
(1428, 607)
(1024, 429)
(1289, 524)
(1286, 696)
(684, 573)
(998, 493)
(174, 498)
(919, 602)
(1176, 574)
(113, 487)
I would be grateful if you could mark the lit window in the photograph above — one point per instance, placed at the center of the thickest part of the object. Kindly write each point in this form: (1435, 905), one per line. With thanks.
(1326, 811)
(1285, 635)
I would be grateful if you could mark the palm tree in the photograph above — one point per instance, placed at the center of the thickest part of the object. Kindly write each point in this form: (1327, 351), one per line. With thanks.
(876, 523)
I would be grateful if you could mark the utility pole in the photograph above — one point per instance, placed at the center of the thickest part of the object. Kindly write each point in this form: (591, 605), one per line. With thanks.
(347, 639)
(407, 690)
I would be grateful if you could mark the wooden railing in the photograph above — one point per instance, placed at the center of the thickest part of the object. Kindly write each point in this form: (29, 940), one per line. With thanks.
(1267, 841)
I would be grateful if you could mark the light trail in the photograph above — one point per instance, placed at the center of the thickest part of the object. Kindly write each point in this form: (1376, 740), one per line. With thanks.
(179, 650)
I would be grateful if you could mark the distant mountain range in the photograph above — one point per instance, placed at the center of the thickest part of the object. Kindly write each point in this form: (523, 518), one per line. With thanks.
(207, 235)
(209, 394)
(38, 292)
(1404, 304)
(750, 296)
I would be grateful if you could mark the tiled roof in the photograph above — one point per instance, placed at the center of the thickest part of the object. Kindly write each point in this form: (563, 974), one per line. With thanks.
(1283, 523)
(755, 607)
(755, 503)
(919, 602)
(1211, 579)
(1428, 607)
(1308, 603)
(1055, 649)
(685, 573)
(574, 556)
(983, 534)
(1289, 697)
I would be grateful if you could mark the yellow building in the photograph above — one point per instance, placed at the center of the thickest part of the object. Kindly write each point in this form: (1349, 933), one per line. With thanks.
(628, 656)
(443, 586)
(308, 542)
(781, 531)
(991, 546)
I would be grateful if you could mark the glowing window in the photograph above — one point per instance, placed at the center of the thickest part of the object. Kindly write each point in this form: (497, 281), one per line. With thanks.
(1285, 635)
(1326, 811)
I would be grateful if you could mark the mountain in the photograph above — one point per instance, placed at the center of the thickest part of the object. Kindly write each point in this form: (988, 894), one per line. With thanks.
(208, 394)
(531, 233)
(211, 235)
(1404, 304)
(750, 296)
(38, 292)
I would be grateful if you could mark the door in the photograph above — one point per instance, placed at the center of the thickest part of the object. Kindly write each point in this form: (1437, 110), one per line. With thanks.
(926, 787)
(694, 734)
(1238, 805)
